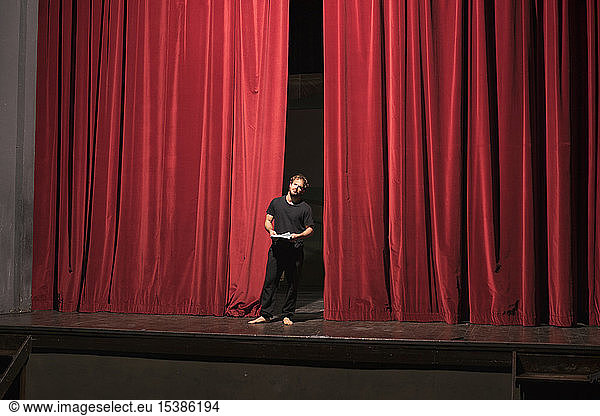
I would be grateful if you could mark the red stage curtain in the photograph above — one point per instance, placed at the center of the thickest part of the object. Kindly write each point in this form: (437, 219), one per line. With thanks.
(353, 217)
(461, 161)
(159, 143)
(593, 190)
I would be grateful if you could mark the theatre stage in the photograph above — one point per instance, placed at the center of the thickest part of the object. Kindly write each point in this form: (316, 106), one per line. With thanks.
(538, 359)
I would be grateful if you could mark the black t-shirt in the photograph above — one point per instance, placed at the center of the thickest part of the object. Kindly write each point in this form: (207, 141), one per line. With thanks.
(292, 218)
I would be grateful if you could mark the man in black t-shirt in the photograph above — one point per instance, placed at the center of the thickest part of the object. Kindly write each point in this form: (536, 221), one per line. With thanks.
(288, 215)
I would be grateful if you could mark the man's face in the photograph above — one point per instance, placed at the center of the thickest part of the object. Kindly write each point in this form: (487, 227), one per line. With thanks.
(297, 187)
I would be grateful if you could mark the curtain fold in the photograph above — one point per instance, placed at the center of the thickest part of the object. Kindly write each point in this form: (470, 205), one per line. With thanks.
(423, 71)
(500, 229)
(150, 153)
(479, 150)
(593, 173)
(560, 197)
(258, 149)
(354, 244)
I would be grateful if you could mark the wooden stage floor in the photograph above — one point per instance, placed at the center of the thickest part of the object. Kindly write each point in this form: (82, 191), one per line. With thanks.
(530, 354)
(309, 329)
(309, 326)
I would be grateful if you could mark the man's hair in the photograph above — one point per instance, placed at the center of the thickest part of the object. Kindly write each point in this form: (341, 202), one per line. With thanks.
(302, 177)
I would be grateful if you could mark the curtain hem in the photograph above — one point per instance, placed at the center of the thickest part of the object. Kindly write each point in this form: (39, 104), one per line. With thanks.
(499, 319)
(250, 311)
(425, 317)
(156, 309)
(357, 315)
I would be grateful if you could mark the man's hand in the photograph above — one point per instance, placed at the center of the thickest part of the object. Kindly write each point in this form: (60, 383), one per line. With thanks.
(302, 235)
(272, 232)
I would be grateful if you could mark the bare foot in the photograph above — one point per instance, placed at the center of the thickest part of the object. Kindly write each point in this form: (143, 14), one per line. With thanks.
(287, 321)
(259, 320)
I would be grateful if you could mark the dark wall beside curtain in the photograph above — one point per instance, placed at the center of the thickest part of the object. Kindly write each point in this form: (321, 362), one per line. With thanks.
(159, 142)
(461, 161)
(18, 40)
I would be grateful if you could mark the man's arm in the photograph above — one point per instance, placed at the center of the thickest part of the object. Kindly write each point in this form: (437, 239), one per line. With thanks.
(269, 225)
(307, 219)
(303, 234)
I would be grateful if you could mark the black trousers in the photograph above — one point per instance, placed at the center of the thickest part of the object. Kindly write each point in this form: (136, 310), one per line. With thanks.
(283, 257)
